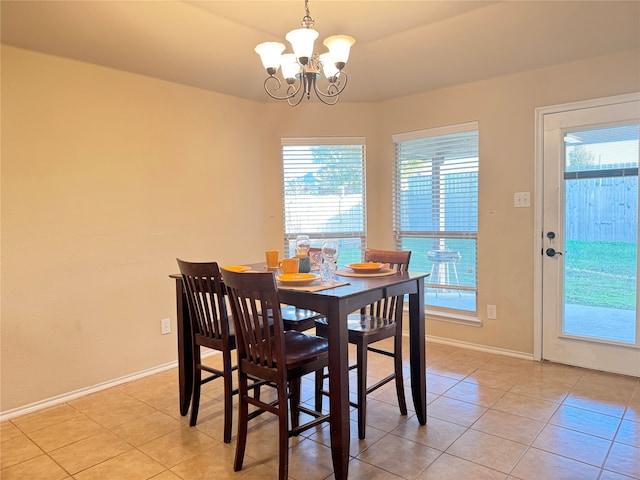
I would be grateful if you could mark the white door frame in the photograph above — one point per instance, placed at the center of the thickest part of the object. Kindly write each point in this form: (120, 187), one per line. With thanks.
(540, 113)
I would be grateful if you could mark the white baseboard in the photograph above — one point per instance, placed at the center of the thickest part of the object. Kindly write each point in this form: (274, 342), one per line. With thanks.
(480, 348)
(65, 397)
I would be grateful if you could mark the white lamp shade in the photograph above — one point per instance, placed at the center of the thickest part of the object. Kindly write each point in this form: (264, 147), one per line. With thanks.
(339, 46)
(270, 54)
(301, 41)
(328, 65)
(290, 66)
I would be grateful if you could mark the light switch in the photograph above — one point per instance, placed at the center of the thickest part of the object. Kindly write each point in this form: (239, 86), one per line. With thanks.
(521, 200)
(165, 326)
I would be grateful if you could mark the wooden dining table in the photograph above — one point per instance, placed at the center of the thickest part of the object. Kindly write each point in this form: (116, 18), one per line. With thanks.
(336, 304)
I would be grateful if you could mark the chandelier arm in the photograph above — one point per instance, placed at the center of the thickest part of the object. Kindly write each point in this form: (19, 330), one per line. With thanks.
(304, 88)
(291, 90)
(334, 89)
(323, 98)
(292, 100)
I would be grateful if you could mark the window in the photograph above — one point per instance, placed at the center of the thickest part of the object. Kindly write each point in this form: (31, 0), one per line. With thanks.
(436, 211)
(324, 193)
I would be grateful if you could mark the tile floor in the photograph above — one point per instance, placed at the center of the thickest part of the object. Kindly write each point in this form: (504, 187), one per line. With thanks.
(489, 417)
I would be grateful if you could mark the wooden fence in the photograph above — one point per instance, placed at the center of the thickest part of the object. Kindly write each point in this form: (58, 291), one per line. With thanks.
(602, 209)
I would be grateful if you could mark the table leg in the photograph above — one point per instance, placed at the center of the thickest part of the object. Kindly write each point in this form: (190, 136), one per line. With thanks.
(417, 349)
(185, 349)
(339, 388)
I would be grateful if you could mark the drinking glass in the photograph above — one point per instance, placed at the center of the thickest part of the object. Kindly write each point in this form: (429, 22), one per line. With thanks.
(302, 245)
(327, 273)
(330, 252)
(316, 259)
(302, 252)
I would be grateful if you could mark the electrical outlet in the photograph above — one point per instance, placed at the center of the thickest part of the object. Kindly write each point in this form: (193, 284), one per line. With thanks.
(165, 326)
(492, 312)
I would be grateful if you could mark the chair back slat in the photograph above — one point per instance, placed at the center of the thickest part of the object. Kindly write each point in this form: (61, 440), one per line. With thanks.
(397, 259)
(260, 337)
(205, 298)
(390, 307)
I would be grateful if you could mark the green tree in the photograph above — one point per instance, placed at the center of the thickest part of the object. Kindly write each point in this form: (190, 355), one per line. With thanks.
(334, 177)
(580, 158)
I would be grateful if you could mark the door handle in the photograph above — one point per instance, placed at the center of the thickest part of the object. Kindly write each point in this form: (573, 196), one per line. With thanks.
(551, 252)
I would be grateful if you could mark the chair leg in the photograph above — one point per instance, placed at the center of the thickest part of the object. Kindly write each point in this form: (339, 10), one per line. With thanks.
(318, 390)
(361, 352)
(431, 277)
(397, 362)
(283, 433)
(197, 383)
(228, 395)
(294, 399)
(256, 391)
(243, 421)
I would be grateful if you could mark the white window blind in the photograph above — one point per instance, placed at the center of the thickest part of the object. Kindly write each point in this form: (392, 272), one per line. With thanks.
(324, 193)
(436, 210)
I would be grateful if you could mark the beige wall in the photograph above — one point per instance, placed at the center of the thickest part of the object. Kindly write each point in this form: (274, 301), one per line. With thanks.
(505, 109)
(107, 177)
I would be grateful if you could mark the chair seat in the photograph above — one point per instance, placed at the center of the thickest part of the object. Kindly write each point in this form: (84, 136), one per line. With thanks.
(303, 348)
(214, 343)
(364, 323)
(299, 319)
(292, 313)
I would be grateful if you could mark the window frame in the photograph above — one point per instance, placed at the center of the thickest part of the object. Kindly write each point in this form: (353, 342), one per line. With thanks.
(289, 237)
(400, 233)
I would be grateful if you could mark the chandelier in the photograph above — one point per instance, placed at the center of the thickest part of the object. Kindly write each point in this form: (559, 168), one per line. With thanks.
(301, 69)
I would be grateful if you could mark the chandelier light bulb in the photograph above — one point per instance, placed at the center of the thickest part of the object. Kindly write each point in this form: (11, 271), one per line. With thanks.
(328, 66)
(339, 47)
(270, 55)
(290, 66)
(301, 41)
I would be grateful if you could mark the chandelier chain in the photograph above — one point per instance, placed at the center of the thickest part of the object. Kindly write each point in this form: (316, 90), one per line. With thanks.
(307, 21)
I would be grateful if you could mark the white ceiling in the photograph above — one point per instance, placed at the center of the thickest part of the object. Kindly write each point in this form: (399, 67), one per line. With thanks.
(402, 47)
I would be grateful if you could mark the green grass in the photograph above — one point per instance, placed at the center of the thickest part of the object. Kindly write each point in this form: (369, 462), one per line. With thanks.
(601, 274)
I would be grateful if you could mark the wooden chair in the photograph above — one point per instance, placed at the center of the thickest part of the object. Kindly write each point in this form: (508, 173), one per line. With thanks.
(210, 328)
(271, 353)
(378, 321)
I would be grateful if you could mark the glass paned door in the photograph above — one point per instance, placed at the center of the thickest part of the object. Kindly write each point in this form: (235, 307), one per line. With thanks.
(601, 233)
(589, 259)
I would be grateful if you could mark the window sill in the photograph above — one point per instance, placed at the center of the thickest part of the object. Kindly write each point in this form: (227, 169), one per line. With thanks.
(452, 317)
